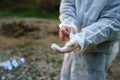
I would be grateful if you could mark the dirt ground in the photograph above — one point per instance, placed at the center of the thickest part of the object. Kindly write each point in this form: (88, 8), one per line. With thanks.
(41, 62)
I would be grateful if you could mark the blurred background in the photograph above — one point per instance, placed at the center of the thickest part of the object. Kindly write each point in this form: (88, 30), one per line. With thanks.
(27, 29)
(30, 8)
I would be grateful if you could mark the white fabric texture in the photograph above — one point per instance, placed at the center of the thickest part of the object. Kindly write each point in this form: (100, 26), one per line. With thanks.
(99, 22)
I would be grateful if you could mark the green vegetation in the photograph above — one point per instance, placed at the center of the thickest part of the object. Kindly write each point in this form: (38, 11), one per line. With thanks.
(22, 13)
(23, 45)
(30, 8)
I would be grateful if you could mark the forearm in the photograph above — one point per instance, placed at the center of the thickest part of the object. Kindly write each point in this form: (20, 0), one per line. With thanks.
(107, 27)
(68, 14)
(103, 30)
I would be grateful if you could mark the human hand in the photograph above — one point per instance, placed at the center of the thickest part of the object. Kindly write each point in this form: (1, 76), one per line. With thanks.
(65, 31)
(68, 47)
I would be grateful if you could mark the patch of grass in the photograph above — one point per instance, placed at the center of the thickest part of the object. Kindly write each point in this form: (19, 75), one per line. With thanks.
(22, 45)
(22, 13)
(50, 59)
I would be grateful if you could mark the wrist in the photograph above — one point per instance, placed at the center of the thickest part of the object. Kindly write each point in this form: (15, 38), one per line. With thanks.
(68, 25)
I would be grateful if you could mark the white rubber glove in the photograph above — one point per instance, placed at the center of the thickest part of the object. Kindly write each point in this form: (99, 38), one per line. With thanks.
(69, 46)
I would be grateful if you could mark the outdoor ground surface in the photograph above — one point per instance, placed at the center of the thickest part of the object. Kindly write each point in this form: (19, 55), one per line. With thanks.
(41, 63)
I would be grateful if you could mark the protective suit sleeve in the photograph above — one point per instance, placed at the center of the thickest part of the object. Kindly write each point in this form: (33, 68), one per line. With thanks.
(107, 27)
(68, 14)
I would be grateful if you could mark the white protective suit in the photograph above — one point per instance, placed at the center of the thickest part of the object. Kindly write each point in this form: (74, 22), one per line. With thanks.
(99, 24)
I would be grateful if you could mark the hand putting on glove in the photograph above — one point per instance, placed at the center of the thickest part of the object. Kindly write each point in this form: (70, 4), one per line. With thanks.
(66, 33)
(69, 46)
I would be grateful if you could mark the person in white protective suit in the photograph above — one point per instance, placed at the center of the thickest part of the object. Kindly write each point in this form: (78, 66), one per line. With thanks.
(95, 25)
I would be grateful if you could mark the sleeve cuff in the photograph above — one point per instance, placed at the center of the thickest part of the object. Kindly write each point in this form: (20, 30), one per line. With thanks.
(69, 25)
(80, 38)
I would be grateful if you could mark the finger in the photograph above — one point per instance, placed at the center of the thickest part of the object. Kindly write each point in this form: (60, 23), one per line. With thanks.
(68, 30)
(65, 33)
(72, 30)
(61, 36)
